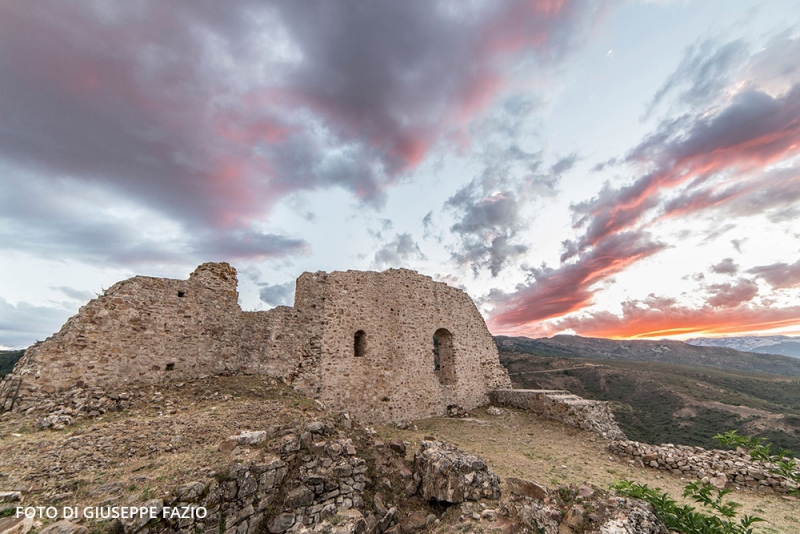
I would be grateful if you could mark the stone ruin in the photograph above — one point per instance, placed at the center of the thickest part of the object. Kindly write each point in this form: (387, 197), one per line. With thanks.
(385, 346)
(721, 468)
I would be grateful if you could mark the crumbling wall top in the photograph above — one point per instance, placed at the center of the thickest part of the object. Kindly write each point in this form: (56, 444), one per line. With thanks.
(217, 276)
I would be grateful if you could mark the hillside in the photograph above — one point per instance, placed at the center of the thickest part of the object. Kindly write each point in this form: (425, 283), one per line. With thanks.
(666, 351)
(170, 444)
(659, 402)
(7, 360)
(783, 345)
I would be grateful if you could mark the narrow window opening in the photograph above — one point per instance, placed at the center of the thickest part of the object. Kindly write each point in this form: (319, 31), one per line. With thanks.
(444, 364)
(360, 344)
(181, 294)
(170, 367)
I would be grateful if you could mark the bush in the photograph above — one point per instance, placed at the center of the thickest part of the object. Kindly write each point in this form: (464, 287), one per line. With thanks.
(685, 518)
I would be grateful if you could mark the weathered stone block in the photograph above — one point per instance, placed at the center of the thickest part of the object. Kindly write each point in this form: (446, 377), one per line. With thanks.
(450, 475)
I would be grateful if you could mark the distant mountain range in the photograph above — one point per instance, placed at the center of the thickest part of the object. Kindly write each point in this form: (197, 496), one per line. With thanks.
(675, 352)
(783, 345)
(667, 391)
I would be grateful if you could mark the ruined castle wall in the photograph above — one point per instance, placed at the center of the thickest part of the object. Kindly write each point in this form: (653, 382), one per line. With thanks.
(144, 329)
(398, 311)
(138, 331)
(561, 405)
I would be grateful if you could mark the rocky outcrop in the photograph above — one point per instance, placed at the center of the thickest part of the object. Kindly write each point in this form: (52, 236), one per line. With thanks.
(718, 467)
(563, 406)
(447, 474)
(586, 509)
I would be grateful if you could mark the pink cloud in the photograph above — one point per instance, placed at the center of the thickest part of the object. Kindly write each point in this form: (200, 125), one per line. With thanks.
(658, 317)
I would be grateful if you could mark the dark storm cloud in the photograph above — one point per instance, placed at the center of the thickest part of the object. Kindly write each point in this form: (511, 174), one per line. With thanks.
(726, 266)
(779, 275)
(209, 114)
(397, 252)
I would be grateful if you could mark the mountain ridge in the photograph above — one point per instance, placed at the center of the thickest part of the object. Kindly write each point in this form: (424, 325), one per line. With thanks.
(780, 345)
(667, 351)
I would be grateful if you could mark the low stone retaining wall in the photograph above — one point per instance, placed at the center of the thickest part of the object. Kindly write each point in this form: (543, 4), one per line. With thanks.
(718, 467)
(561, 405)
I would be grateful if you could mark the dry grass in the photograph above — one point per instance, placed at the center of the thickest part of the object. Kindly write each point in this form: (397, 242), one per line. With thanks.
(521, 444)
(517, 444)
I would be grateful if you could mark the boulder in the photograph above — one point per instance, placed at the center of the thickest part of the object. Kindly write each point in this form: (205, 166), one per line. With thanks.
(450, 475)
(64, 527)
(249, 437)
(398, 446)
(15, 525)
(10, 496)
(54, 421)
(526, 488)
(281, 523)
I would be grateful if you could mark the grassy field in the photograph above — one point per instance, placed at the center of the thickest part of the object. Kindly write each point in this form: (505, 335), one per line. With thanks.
(666, 403)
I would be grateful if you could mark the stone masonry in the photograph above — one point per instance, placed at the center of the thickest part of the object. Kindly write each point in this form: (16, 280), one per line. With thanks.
(719, 467)
(561, 405)
(384, 346)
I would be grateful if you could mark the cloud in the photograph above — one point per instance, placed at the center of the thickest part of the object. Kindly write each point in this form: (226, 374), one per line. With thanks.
(486, 227)
(571, 287)
(660, 316)
(69, 219)
(76, 294)
(779, 275)
(726, 266)
(491, 210)
(397, 252)
(23, 323)
(705, 70)
(728, 295)
(720, 156)
(277, 294)
(209, 115)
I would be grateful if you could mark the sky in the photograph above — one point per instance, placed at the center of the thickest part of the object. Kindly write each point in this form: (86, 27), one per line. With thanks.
(625, 169)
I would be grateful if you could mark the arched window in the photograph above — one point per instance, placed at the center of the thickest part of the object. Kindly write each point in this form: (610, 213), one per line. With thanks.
(444, 362)
(360, 344)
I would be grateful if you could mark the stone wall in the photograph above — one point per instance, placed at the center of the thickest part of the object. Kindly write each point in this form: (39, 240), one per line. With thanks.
(397, 313)
(144, 329)
(719, 467)
(561, 405)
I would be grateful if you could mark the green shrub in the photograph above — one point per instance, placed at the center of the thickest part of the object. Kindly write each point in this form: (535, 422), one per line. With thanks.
(686, 519)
